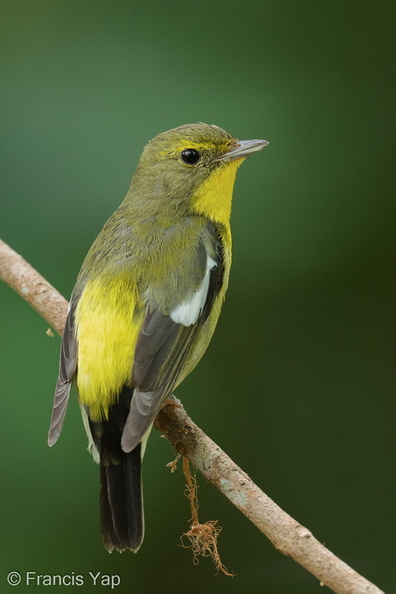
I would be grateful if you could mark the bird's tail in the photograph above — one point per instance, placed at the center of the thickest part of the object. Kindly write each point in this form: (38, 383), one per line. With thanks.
(121, 502)
(121, 497)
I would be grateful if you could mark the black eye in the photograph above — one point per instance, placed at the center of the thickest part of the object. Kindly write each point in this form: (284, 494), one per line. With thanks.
(190, 156)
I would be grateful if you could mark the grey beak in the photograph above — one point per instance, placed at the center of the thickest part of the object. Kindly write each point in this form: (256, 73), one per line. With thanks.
(243, 148)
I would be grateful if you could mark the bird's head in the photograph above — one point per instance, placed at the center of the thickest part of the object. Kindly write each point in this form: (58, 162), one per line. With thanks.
(191, 168)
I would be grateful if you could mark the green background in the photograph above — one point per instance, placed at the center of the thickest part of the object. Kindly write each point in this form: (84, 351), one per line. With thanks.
(299, 383)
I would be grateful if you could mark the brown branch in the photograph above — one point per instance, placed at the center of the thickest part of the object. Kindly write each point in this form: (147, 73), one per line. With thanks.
(32, 287)
(287, 535)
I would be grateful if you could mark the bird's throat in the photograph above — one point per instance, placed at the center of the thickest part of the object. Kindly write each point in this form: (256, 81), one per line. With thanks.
(213, 198)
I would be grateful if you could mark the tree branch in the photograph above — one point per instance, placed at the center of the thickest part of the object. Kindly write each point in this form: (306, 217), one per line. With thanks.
(286, 534)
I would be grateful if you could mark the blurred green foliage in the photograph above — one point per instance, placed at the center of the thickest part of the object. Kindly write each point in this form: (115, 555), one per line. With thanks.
(299, 383)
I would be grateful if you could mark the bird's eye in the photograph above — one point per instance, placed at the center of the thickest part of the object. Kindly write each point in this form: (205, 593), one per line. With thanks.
(190, 156)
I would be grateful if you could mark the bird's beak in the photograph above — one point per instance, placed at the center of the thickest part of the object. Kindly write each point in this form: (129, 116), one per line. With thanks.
(242, 149)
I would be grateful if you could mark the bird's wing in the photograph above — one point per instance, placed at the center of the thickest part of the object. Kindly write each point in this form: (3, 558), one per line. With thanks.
(164, 345)
(67, 369)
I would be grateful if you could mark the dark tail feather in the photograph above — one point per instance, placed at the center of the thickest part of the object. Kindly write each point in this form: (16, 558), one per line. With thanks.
(121, 498)
(121, 502)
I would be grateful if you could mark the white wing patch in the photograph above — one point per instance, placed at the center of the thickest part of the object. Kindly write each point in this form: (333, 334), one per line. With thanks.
(188, 311)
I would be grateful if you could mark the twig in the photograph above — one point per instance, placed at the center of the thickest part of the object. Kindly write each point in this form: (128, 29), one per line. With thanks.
(287, 535)
(32, 287)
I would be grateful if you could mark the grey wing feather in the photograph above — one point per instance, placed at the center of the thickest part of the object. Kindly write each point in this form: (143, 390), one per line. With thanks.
(154, 386)
(156, 375)
(162, 348)
(156, 338)
(144, 409)
(67, 369)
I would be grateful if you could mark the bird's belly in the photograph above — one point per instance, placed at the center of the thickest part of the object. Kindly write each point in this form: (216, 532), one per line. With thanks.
(106, 327)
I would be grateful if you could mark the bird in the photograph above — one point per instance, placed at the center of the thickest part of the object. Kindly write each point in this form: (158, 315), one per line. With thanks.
(144, 308)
